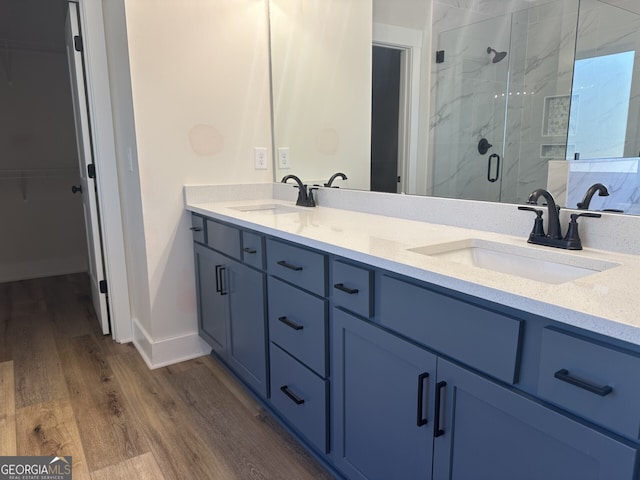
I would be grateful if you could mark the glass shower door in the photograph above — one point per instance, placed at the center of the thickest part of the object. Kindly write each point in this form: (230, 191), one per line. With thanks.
(471, 98)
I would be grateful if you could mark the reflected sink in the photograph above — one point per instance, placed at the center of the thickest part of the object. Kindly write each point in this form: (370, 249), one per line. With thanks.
(547, 266)
(270, 208)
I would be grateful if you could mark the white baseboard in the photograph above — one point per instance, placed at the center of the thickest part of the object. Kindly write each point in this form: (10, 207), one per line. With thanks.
(165, 352)
(12, 272)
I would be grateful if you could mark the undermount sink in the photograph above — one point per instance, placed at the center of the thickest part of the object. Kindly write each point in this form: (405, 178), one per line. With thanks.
(548, 266)
(270, 208)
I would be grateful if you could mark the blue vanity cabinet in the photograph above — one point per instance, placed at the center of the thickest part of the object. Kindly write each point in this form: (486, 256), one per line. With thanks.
(403, 408)
(247, 349)
(488, 431)
(386, 377)
(382, 398)
(231, 300)
(593, 380)
(298, 317)
(213, 308)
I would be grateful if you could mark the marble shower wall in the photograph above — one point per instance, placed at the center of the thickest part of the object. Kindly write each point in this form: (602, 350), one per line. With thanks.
(621, 176)
(470, 94)
(538, 122)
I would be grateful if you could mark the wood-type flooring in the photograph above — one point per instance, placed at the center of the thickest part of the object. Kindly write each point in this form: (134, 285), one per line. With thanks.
(65, 389)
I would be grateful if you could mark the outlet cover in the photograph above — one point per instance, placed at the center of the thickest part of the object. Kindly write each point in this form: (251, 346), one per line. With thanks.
(260, 158)
(284, 160)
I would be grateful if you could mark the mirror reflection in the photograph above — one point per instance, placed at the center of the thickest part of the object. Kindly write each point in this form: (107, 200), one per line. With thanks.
(467, 100)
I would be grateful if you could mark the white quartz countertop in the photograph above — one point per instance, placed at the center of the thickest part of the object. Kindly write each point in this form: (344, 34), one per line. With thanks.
(606, 302)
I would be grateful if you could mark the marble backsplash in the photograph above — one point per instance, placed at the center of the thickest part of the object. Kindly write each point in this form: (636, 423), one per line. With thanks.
(621, 176)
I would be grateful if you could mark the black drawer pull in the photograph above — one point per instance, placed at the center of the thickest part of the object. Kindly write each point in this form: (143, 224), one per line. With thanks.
(565, 376)
(421, 419)
(291, 324)
(196, 229)
(291, 395)
(249, 250)
(284, 264)
(437, 430)
(342, 288)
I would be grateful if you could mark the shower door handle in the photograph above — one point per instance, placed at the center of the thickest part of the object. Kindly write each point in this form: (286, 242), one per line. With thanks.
(497, 170)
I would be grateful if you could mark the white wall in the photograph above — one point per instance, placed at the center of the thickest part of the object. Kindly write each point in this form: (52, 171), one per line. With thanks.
(43, 226)
(200, 98)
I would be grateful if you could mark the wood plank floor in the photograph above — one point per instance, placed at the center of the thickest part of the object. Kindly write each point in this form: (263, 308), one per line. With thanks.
(65, 389)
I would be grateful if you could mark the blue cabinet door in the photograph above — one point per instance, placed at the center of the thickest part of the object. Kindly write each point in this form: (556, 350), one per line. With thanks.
(489, 432)
(212, 304)
(247, 349)
(381, 399)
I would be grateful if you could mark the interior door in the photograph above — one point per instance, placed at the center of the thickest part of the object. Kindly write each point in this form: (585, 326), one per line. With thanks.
(85, 158)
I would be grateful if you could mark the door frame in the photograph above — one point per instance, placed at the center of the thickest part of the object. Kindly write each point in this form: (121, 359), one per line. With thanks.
(409, 41)
(104, 154)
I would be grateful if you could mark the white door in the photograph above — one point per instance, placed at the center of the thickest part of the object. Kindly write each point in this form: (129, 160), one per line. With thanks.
(85, 158)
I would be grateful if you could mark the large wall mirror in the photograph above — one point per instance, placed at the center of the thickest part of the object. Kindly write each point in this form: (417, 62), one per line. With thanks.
(472, 100)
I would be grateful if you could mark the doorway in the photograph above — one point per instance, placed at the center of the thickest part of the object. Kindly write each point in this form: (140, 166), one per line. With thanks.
(38, 165)
(385, 119)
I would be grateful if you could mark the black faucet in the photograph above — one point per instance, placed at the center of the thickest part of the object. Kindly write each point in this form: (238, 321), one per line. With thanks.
(591, 191)
(333, 177)
(305, 199)
(554, 211)
(571, 240)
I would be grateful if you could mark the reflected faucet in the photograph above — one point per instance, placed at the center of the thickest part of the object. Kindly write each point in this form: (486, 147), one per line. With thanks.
(333, 177)
(553, 226)
(591, 191)
(305, 199)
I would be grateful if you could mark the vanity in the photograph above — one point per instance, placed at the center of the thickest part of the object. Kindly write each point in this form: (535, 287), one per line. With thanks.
(388, 358)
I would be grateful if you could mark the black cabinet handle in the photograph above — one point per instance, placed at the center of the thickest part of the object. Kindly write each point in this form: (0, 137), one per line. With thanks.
(284, 264)
(437, 430)
(421, 420)
(77, 189)
(291, 395)
(564, 375)
(342, 288)
(196, 229)
(220, 269)
(249, 250)
(291, 324)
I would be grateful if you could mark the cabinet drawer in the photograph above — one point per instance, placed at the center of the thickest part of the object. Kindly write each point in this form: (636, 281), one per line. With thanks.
(483, 339)
(593, 380)
(297, 265)
(197, 228)
(352, 287)
(224, 238)
(252, 251)
(300, 396)
(298, 324)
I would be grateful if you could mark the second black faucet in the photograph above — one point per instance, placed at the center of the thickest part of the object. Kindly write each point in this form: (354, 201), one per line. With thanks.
(305, 198)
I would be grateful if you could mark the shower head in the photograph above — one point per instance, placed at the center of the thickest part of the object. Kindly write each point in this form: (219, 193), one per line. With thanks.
(497, 55)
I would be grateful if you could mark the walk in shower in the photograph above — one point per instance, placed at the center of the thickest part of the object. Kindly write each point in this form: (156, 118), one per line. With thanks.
(501, 94)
